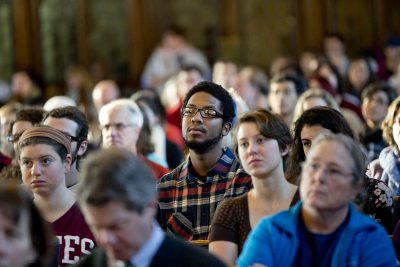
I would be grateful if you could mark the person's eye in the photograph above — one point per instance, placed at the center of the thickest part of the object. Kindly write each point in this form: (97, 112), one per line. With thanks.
(119, 126)
(46, 162)
(27, 163)
(189, 110)
(12, 232)
(313, 166)
(306, 143)
(244, 144)
(210, 112)
(105, 127)
(334, 172)
(261, 140)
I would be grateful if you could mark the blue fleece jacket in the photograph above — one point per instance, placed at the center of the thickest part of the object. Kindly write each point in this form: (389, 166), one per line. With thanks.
(274, 242)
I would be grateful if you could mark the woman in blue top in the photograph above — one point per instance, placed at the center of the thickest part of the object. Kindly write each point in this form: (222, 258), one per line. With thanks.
(325, 229)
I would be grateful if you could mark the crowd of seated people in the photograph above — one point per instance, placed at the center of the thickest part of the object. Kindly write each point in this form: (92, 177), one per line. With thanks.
(238, 159)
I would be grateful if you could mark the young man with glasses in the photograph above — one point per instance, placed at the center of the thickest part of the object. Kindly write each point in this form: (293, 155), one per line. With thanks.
(73, 122)
(121, 122)
(190, 194)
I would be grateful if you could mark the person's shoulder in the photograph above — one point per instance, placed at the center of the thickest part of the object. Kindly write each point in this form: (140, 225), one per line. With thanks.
(97, 258)
(181, 253)
(173, 175)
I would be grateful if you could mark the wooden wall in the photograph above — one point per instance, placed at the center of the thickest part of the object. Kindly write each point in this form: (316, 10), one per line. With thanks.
(123, 33)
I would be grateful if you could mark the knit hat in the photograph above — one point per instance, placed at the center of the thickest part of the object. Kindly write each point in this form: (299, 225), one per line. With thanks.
(49, 132)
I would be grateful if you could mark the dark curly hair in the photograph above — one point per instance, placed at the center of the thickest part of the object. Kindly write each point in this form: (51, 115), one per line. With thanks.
(327, 118)
(217, 91)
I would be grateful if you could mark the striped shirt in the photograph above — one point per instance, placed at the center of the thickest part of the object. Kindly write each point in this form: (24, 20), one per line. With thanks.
(187, 204)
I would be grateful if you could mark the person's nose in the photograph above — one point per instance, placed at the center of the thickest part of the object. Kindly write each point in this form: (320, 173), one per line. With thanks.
(36, 169)
(197, 117)
(252, 148)
(106, 237)
(320, 174)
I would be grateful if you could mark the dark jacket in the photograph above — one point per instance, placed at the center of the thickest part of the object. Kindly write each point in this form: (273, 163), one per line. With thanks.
(172, 253)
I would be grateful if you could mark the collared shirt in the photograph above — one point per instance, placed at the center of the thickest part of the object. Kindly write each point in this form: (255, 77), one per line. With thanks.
(187, 204)
(146, 253)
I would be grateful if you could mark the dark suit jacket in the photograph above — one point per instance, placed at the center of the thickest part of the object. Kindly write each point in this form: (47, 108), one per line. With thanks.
(172, 253)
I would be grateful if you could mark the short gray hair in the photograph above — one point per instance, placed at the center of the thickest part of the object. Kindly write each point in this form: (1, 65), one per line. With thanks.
(116, 174)
(354, 149)
(125, 104)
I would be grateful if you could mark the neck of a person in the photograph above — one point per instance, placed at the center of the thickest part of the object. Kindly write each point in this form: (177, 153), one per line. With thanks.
(288, 119)
(72, 177)
(323, 221)
(373, 125)
(272, 189)
(56, 203)
(204, 162)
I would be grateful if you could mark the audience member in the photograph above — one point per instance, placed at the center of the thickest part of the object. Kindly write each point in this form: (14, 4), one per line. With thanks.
(72, 122)
(166, 146)
(262, 143)
(312, 98)
(104, 92)
(323, 120)
(45, 158)
(376, 99)
(7, 116)
(252, 85)
(386, 167)
(324, 229)
(25, 237)
(359, 76)
(25, 89)
(175, 91)
(334, 48)
(25, 118)
(224, 73)
(190, 194)
(312, 122)
(58, 101)
(283, 95)
(124, 190)
(169, 57)
(121, 122)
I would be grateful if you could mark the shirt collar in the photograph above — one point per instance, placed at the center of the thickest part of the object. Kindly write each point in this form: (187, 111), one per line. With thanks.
(146, 253)
(221, 167)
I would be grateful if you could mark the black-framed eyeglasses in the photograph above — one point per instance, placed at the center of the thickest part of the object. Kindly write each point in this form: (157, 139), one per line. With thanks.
(13, 138)
(76, 139)
(204, 112)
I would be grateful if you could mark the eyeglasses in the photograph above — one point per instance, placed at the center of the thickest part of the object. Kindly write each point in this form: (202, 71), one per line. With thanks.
(13, 138)
(204, 112)
(76, 139)
(117, 126)
(332, 172)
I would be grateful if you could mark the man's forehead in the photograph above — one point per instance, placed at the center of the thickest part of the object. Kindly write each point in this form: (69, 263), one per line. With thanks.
(62, 124)
(203, 99)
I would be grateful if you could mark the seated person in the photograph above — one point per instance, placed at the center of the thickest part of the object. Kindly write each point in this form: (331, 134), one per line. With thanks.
(45, 158)
(325, 228)
(262, 143)
(26, 239)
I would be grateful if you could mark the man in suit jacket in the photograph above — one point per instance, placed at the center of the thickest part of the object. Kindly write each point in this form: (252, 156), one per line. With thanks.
(117, 195)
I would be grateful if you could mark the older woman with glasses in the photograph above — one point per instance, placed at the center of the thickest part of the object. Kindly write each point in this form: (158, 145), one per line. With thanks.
(325, 228)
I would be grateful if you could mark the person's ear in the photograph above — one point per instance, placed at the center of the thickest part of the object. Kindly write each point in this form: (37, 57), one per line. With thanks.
(67, 163)
(83, 147)
(226, 128)
(285, 150)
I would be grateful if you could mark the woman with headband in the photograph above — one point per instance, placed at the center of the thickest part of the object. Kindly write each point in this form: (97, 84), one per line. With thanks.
(44, 155)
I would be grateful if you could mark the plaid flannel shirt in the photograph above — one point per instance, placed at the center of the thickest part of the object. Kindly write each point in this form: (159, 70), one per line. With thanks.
(187, 205)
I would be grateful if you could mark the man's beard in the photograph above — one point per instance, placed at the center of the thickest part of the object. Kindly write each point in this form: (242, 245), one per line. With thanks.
(204, 146)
